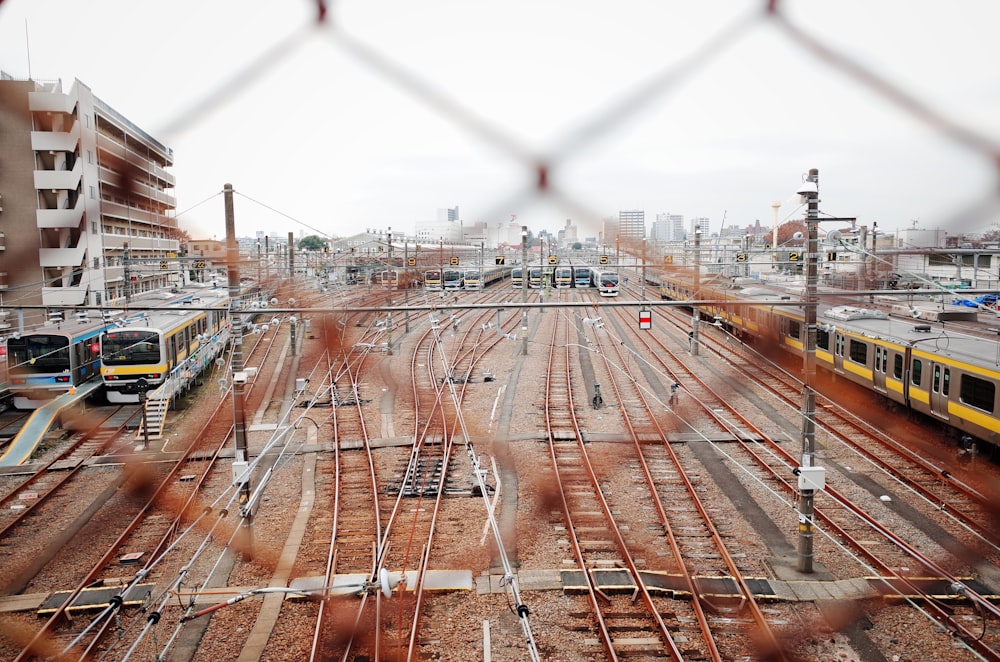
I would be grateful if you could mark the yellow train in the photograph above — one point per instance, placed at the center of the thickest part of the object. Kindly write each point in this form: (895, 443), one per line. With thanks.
(165, 346)
(924, 366)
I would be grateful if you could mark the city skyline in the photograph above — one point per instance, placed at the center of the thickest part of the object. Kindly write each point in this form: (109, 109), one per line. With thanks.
(710, 112)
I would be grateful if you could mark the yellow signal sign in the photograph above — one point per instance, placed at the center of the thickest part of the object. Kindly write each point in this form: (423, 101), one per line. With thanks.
(603, 259)
(499, 260)
(741, 257)
(553, 259)
(793, 257)
(411, 261)
(454, 261)
(668, 259)
(199, 264)
(163, 264)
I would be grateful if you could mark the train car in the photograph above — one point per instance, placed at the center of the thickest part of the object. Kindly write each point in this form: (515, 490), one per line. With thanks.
(474, 279)
(562, 277)
(581, 277)
(166, 346)
(453, 279)
(494, 275)
(388, 279)
(432, 280)
(536, 278)
(52, 359)
(517, 278)
(606, 282)
(950, 377)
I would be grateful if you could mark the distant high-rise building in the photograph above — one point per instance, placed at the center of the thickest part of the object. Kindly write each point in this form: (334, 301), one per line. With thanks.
(632, 223)
(569, 235)
(668, 227)
(448, 214)
(88, 204)
(701, 224)
(446, 228)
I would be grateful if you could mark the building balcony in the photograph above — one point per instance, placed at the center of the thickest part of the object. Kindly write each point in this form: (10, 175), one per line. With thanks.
(131, 214)
(118, 241)
(139, 189)
(63, 297)
(59, 180)
(52, 102)
(111, 146)
(61, 257)
(55, 141)
(61, 218)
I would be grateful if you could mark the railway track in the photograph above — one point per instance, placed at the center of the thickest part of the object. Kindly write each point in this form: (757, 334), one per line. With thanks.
(851, 523)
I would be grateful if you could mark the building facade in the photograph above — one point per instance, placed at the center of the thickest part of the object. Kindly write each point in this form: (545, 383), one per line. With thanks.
(632, 223)
(87, 202)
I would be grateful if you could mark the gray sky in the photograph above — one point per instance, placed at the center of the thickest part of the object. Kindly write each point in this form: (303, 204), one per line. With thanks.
(395, 108)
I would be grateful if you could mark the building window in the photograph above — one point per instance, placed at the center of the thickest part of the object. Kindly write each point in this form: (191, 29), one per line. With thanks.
(90, 156)
(93, 193)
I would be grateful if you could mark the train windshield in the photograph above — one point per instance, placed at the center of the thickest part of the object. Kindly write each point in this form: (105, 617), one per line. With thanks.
(38, 353)
(132, 346)
(609, 280)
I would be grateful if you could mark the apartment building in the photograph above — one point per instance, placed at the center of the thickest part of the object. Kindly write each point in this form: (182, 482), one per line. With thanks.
(87, 206)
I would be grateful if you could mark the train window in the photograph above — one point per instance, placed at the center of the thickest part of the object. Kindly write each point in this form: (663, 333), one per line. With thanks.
(977, 393)
(945, 387)
(823, 339)
(859, 352)
(918, 371)
(794, 329)
(897, 366)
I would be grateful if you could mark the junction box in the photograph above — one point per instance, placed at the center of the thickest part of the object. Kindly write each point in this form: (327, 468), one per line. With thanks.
(812, 478)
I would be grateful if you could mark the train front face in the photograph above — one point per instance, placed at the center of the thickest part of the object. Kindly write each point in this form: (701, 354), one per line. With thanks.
(42, 366)
(128, 355)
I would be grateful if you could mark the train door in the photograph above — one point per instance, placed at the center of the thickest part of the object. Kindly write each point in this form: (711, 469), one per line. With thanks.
(838, 352)
(881, 361)
(940, 388)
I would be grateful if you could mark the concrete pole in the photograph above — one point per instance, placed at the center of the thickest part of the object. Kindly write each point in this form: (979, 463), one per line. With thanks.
(406, 290)
(696, 288)
(524, 290)
(239, 399)
(774, 232)
(388, 317)
(806, 496)
(642, 280)
(291, 255)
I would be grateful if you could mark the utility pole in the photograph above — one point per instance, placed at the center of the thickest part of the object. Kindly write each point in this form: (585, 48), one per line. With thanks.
(291, 255)
(241, 459)
(388, 316)
(696, 317)
(524, 290)
(642, 281)
(126, 262)
(874, 260)
(810, 476)
(406, 288)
